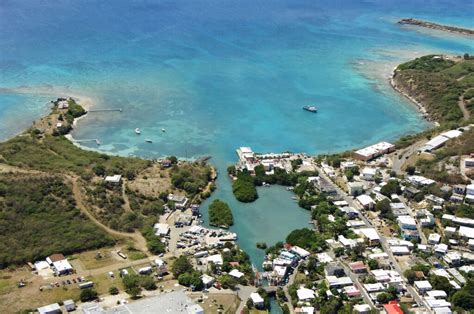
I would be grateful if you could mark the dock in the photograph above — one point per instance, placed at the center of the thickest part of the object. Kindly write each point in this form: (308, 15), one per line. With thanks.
(106, 109)
(88, 140)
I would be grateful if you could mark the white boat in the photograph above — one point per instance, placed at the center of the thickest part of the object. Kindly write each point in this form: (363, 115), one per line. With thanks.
(310, 108)
(148, 141)
(137, 131)
(163, 130)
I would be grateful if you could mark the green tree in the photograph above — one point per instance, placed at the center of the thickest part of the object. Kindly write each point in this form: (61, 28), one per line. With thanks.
(147, 283)
(181, 265)
(464, 297)
(220, 213)
(385, 210)
(113, 290)
(88, 294)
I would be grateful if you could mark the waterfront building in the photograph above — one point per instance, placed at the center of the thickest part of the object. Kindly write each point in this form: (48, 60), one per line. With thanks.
(374, 151)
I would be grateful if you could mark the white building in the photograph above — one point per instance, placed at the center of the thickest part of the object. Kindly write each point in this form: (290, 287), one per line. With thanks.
(50, 309)
(161, 229)
(434, 238)
(407, 222)
(423, 286)
(366, 201)
(115, 179)
(373, 151)
(355, 188)
(257, 300)
(369, 173)
(305, 294)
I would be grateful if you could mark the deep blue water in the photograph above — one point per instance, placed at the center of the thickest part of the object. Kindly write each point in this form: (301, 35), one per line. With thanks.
(222, 74)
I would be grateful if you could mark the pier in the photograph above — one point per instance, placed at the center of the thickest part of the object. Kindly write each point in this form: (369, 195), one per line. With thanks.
(88, 140)
(106, 109)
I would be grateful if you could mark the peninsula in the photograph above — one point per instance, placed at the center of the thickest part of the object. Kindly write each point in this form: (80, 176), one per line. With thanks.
(440, 27)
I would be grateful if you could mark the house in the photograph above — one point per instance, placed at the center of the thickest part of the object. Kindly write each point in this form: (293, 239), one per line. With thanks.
(69, 305)
(370, 235)
(407, 222)
(338, 282)
(50, 309)
(366, 201)
(441, 249)
(350, 212)
(362, 309)
(374, 287)
(215, 259)
(302, 253)
(437, 294)
(236, 273)
(392, 308)
(59, 264)
(456, 198)
(305, 294)
(434, 238)
(161, 229)
(355, 188)
(420, 181)
(352, 291)
(400, 250)
(369, 173)
(410, 192)
(257, 300)
(423, 286)
(207, 280)
(179, 201)
(452, 258)
(358, 267)
(115, 179)
(435, 200)
(470, 193)
(160, 267)
(334, 269)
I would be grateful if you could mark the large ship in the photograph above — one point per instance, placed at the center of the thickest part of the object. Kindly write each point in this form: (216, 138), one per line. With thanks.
(310, 108)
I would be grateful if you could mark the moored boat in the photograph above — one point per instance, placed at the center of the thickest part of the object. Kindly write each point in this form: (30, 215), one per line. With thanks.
(310, 108)
(137, 131)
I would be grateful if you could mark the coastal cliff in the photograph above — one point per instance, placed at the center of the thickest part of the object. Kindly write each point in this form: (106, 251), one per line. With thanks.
(430, 25)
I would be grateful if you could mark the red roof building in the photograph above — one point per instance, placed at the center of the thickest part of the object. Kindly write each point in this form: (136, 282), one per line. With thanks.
(392, 308)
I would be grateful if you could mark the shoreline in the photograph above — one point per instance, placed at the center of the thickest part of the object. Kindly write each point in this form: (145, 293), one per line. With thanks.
(419, 105)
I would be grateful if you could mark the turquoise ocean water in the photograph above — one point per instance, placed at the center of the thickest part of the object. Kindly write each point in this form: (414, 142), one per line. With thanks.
(222, 74)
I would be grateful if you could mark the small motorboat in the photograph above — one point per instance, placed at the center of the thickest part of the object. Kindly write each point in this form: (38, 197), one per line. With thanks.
(148, 140)
(163, 130)
(137, 131)
(310, 108)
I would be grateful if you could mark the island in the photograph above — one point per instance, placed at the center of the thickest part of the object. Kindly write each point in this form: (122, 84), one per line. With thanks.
(431, 25)
(220, 214)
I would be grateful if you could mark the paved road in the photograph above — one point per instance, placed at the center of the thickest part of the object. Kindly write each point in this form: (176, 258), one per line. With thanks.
(243, 293)
(399, 158)
(355, 279)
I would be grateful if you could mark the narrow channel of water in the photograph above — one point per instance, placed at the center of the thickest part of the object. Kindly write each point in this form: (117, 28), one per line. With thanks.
(269, 219)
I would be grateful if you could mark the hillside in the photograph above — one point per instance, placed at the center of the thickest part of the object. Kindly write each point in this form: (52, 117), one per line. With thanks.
(443, 85)
(53, 196)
